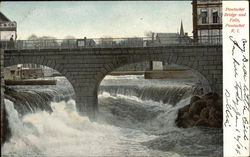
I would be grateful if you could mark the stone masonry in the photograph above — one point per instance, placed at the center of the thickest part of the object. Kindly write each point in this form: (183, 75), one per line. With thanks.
(2, 97)
(85, 68)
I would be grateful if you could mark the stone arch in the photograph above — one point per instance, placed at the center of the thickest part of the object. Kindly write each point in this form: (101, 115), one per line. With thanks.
(183, 61)
(41, 61)
(121, 61)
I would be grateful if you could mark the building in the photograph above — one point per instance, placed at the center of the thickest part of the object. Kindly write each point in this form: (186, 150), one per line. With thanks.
(8, 30)
(207, 21)
(85, 42)
(12, 73)
(162, 39)
(19, 73)
(167, 38)
(172, 38)
(32, 73)
(131, 42)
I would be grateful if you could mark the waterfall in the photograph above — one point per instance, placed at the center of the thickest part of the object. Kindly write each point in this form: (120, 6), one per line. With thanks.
(136, 118)
(28, 99)
(169, 94)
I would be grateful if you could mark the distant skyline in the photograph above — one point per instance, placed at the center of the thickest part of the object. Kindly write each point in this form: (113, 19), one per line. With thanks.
(98, 18)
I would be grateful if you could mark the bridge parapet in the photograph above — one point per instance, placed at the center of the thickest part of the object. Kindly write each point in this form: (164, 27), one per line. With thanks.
(108, 42)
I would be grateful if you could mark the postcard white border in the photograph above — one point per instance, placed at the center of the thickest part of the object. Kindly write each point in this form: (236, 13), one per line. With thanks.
(236, 78)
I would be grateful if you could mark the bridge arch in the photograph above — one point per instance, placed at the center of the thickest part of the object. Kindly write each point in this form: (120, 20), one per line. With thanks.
(119, 62)
(183, 61)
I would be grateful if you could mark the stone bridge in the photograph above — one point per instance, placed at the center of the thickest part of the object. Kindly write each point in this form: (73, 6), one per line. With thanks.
(85, 68)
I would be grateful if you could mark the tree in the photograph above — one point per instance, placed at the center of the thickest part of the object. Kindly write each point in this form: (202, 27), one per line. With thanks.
(46, 38)
(43, 41)
(148, 33)
(32, 37)
(107, 42)
(69, 37)
(150, 37)
(69, 42)
(35, 37)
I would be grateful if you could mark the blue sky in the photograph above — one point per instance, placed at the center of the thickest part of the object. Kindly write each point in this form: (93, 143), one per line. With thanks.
(98, 19)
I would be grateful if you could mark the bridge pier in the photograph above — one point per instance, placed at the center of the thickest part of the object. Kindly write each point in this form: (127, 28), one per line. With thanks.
(86, 96)
(87, 106)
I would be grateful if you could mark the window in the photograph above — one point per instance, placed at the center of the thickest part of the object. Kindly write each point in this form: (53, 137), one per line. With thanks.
(12, 72)
(215, 17)
(203, 16)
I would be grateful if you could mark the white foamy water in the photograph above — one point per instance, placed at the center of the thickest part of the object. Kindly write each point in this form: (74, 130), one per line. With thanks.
(65, 133)
(162, 122)
(136, 118)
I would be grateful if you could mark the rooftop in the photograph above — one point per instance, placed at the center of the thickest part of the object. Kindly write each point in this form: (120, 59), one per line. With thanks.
(3, 18)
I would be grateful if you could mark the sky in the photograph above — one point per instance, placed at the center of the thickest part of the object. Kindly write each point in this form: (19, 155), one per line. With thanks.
(96, 19)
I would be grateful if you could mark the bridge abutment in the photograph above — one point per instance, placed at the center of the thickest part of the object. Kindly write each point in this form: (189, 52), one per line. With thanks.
(5, 128)
(2, 97)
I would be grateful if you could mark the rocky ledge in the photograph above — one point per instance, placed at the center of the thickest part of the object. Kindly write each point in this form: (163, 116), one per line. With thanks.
(206, 110)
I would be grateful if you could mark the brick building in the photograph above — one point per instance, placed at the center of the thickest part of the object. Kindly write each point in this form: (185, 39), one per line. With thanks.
(207, 21)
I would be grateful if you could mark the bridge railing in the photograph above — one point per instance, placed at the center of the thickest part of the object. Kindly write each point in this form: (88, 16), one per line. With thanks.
(109, 42)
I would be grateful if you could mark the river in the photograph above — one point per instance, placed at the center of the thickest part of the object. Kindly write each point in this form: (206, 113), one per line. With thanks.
(136, 118)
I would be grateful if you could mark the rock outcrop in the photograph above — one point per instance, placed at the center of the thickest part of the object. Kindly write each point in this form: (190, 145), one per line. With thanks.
(206, 110)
